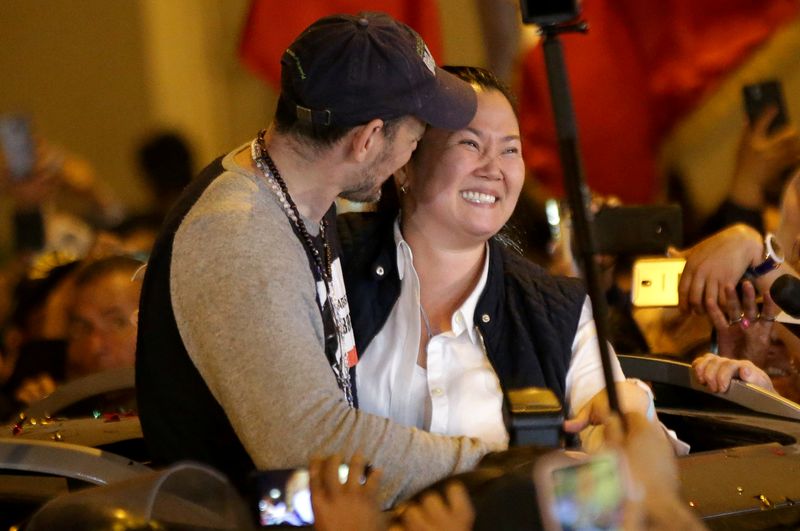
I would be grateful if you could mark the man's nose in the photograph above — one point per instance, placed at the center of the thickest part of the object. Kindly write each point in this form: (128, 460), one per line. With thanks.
(95, 341)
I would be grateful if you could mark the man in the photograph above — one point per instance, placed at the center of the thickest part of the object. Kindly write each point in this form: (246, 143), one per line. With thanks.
(102, 316)
(245, 348)
(101, 305)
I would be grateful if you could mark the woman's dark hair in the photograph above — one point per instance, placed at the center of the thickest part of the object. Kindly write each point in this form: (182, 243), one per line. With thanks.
(475, 75)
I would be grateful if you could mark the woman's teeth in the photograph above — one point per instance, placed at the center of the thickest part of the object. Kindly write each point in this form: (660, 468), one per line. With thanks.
(477, 197)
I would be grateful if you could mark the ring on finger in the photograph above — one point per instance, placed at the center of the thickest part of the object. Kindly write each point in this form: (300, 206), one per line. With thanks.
(762, 317)
(737, 320)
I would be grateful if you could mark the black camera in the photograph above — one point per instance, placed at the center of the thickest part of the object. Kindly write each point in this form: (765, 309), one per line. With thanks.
(549, 11)
(638, 229)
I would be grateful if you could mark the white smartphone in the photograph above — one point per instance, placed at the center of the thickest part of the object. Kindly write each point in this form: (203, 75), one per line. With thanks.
(580, 491)
(655, 281)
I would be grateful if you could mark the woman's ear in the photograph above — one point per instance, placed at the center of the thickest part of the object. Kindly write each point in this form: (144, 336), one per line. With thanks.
(366, 138)
(405, 178)
(401, 178)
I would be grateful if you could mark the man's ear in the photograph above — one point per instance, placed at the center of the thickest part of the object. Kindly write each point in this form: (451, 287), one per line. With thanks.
(366, 138)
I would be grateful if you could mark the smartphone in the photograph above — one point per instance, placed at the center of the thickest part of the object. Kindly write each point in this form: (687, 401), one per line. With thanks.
(638, 229)
(580, 491)
(283, 497)
(760, 96)
(17, 145)
(655, 281)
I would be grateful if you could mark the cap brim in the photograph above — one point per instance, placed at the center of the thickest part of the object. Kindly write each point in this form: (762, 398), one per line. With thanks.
(452, 105)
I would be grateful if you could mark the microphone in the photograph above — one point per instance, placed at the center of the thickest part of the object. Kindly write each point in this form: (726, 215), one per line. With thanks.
(785, 291)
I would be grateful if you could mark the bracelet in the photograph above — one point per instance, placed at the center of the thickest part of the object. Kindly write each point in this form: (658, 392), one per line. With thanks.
(773, 257)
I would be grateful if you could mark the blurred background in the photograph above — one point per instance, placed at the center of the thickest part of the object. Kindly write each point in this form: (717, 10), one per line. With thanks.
(98, 77)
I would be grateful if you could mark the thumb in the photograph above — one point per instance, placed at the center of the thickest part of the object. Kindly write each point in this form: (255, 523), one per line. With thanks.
(578, 422)
(674, 252)
(614, 432)
(764, 120)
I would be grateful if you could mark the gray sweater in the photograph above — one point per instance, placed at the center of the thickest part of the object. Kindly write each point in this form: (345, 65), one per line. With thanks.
(243, 296)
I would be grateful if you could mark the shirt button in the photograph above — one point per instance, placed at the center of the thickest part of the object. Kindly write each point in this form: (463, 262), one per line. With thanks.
(459, 319)
(437, 391)
(485, 318)
(379, 271)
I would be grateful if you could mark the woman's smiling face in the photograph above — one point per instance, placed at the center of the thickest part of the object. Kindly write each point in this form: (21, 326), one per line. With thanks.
(464, 184)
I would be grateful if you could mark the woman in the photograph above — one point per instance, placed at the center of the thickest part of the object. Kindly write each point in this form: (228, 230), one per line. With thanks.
(446, 317)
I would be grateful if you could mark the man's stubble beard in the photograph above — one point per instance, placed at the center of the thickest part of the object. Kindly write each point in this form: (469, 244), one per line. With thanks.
(368, 188)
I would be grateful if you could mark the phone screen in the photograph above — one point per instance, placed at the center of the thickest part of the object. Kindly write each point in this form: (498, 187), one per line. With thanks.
(553, 212)
(758, 97)
(283, 497)
(655, 281)
(17, 145)
(589, 495)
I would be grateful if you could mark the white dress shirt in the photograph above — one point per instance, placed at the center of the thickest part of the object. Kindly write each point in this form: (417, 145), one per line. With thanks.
(459, 393)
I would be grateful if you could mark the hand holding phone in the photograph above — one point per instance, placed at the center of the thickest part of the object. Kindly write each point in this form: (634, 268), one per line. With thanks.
(329, 494)
(758, 97)
(579, 491)
(341, 502)
(769, 150)
(652, 471)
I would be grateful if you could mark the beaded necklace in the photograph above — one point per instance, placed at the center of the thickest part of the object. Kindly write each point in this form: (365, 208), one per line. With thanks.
(261, 158)
(264, 162)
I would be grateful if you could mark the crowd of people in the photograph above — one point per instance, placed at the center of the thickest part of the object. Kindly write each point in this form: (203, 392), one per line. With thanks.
(267, 332)
(74, 279)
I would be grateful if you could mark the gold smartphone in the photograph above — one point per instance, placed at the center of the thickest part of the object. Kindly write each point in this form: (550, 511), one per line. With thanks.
(655, 281)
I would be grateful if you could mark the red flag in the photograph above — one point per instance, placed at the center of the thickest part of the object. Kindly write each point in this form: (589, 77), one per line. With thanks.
(690, 46)
(612, 102)
(643, 66)
(273, 24)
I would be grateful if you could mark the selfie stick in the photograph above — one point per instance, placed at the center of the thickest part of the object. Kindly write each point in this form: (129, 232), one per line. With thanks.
(575, 186)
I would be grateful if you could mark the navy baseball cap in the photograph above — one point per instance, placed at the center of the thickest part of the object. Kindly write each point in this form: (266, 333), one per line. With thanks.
(345, 70)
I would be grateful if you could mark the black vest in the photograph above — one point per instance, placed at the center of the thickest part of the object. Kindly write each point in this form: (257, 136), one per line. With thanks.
(527, 317)
(181, 419)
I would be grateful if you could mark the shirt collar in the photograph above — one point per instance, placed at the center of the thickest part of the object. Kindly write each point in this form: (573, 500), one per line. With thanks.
(403, 250)
(463, 317)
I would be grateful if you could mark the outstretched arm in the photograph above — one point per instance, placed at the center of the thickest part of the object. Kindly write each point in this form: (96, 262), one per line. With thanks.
(717, 372)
